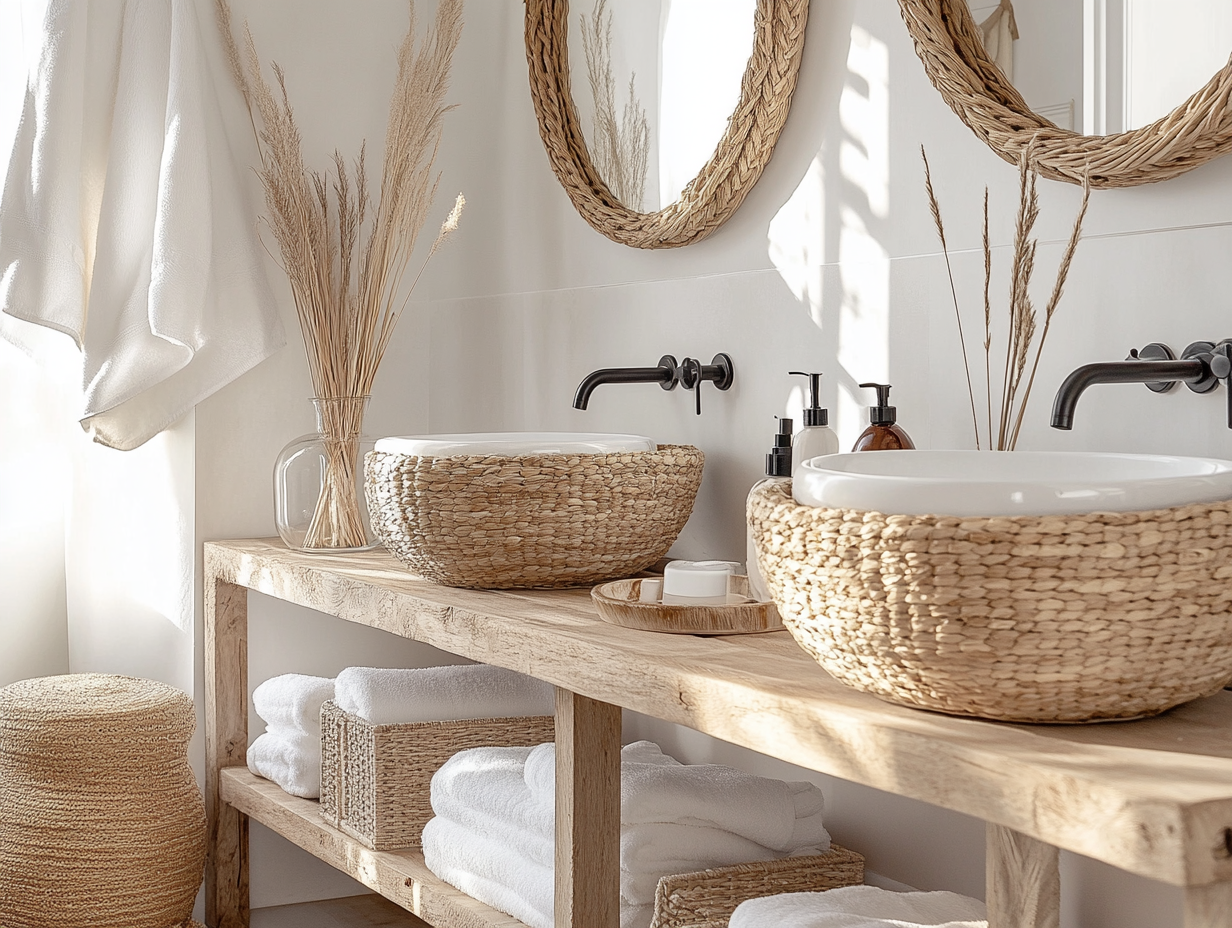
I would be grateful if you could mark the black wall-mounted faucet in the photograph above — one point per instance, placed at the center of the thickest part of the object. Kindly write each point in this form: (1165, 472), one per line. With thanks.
(1202, 366)
(667, 374)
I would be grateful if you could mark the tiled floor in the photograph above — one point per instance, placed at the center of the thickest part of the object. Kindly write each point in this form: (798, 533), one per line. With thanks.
(369, 911)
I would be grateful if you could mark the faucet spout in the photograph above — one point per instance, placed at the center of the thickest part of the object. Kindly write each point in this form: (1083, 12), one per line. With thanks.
(1131, 371)
(664, 374)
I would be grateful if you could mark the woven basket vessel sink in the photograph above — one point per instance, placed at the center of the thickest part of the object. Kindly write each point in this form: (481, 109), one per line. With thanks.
(1070, 617)
(531, 519)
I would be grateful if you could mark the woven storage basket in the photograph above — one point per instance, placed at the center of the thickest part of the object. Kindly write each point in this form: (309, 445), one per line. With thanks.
(707, 898)
(101, 820)
(375, 779)
(1028, 618)
(531, 521)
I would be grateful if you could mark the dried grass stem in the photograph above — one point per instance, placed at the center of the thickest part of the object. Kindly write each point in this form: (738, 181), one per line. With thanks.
(1022, 324)
(344, 260)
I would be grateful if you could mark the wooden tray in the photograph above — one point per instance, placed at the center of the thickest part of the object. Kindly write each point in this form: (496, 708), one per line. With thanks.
(619, 603)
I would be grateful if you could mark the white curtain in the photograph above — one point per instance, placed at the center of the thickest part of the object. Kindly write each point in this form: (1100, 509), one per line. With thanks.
(34, 471)
(97, 545)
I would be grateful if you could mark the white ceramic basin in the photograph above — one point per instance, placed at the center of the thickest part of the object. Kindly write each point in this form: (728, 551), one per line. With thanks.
(1014, 483)
(515, 443)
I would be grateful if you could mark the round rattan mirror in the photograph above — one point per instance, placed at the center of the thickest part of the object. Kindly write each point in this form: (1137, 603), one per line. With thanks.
(723, 182)
(952, 48)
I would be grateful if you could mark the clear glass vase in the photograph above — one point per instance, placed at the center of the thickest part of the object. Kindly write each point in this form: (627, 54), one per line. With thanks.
(319, 481)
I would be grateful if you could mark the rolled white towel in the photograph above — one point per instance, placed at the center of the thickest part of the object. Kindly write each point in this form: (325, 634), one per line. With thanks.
(293, 700)
(784, 817)
(861, 907)
(428, 694)
(290, 759)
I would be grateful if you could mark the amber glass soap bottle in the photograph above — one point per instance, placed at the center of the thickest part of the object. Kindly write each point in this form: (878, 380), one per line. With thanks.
(883, 433)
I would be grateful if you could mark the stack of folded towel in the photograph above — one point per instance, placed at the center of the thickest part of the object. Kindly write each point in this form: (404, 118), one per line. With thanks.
(289, 753)
(493, 834)
(861, 907)
(440, 694)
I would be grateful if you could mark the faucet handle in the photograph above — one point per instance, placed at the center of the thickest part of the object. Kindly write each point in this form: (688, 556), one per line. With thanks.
(1221, 367)
(1221, 360)
(691, 379)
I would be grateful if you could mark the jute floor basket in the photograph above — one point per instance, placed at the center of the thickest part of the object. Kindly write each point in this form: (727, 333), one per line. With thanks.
(1029, 619)
(531, 521)
(376, 779)
(101, 821)
(707, 898)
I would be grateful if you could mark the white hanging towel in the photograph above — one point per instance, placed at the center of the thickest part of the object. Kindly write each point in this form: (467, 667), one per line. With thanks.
(125, 220)
(1000, 30)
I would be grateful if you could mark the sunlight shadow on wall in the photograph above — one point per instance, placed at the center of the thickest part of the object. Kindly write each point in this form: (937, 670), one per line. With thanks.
(846, 191)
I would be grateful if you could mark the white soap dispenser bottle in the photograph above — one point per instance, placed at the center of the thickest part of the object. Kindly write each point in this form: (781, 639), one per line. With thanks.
(816, 437)
(778, 470)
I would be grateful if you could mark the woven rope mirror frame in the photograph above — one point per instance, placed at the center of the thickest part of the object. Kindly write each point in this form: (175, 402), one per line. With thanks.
(723, 182)
(949, 43)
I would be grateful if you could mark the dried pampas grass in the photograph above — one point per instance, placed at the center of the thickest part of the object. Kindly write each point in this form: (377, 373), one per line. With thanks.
(621, 145)
(1023, 326)
(344, 258)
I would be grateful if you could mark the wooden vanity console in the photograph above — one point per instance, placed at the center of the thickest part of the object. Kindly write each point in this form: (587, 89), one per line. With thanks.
(1153, 797)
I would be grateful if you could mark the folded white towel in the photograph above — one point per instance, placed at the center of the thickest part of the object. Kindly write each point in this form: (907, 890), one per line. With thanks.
(426, 694)
(289, 758)
(491, 872)
(483, 790)
(293, 700)
(861, 907)
(784, 817)
(541, 765)
(479, 865)
(663, 847)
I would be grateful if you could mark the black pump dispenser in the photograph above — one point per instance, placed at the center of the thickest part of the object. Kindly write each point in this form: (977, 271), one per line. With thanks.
(883, 413)
(778, 461)
(814, 415)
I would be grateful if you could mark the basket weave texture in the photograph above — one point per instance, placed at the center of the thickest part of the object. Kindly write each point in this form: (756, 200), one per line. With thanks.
(101, 820)
(376, 779)
(1027, 618)
(531, 521)
(721, 185)
(951, 47)
(707, 898)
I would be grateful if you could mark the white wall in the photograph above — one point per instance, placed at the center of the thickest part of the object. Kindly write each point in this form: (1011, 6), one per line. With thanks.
(830, 265)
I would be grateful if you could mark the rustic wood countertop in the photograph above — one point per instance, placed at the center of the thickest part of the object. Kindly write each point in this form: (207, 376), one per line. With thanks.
(1153, 797)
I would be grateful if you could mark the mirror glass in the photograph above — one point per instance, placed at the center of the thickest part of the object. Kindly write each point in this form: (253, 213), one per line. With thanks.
(1105, 66)
(654, 82)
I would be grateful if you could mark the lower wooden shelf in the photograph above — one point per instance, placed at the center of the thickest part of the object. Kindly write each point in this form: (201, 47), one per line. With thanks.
(400, 876)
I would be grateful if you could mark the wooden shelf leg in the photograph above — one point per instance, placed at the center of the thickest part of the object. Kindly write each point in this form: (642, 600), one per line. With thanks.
(1208, 906)
(587, 812)
(226, 744)
(1023, 881)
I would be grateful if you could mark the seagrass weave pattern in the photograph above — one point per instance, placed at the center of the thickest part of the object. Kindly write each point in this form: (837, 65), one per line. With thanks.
(101, 820)
(726, 179)
(376, 779)
(950, 45)
(707, 898)
(1111, 615)
(531, 521)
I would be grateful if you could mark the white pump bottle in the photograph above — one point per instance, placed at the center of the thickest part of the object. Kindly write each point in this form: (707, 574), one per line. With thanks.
(816, 437)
